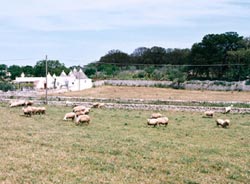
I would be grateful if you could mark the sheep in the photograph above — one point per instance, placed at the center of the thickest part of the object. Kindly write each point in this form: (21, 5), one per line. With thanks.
(219, 122)
(29, 102)
(228, 109)
(209, 113)
(70, 115)
(157, 121)
(79, 108)
(27, 111)
(152, 122)
(38, 110)
(85, 111)
(41, 110)
(17, 103)
(162, 121)
(98, 105)
(156, 115)
(83, 119)
(223, 123)
(226, 123)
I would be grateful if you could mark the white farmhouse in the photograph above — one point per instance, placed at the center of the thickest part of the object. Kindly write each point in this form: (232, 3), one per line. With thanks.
(74, 81)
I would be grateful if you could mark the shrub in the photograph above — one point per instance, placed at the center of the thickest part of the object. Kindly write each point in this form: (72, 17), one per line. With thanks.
(4, 86)
(247, 82)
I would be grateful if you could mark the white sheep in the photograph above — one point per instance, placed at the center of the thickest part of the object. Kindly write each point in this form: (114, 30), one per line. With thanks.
(162, 121)
(85, 111)
(70, 115)
(152, 122)
(156, 115)
(27, 111)
(41, 110)
(223, 123)
(157, 121)
(98, 105)
(28, 102)
(209, 113)
(17, 103)
(83, 119)
(228, 109)
(79, 108)
(38, 110)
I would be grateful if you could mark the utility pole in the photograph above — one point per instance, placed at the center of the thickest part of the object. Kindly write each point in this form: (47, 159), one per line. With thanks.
(46, 85)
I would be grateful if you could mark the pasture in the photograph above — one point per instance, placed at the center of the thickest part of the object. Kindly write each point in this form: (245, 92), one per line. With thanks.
(118, 147)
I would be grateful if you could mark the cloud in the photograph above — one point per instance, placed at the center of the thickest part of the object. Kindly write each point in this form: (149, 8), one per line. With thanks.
(66, 15)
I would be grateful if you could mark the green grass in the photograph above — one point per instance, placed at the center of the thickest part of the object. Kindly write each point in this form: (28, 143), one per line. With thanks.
(118, 147)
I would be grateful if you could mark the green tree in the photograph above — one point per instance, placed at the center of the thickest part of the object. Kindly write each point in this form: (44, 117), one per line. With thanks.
(28, 70)
(54, 67)
(214, 50)
(178, 75)
(15, 71)
(3, 68)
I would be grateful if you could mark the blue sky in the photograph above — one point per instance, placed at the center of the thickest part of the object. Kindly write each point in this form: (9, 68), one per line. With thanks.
(78, 32)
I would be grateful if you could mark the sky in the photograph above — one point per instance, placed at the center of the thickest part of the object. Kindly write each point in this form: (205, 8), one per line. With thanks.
(78, 32)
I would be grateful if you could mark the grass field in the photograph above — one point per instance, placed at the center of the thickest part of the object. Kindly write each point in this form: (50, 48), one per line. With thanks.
(118, 147)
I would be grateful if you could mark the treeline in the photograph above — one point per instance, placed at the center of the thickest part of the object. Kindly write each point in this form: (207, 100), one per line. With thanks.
(217, 57)
(223, 56)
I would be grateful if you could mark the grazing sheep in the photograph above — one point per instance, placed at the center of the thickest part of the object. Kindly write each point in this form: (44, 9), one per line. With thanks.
(156, 115)
(223, 123)
(226, 123)
(38, 110)
(41, 110)
(98, 105)
(17, 103)
(152, 122)
(27, 111)
(85, 111)
(162, 121)
(28, 103)
(83, 119)
(228, 109)
(70, 115)
(209, 113)
(79, 108)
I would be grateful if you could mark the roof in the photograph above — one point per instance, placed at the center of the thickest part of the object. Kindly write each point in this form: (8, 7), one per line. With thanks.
(80, 74)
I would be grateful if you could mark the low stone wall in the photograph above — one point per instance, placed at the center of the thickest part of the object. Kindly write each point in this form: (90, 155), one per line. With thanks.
(194, 85)
(152, 107)
(138, 105)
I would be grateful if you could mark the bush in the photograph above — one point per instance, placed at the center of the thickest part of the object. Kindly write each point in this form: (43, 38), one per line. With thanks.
(247, 82)
(4, 86)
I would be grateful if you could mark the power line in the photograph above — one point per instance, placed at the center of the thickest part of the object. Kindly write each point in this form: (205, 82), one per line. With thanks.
(18, 59)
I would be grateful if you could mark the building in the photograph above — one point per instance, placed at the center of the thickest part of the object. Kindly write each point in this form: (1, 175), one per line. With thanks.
(74, 81)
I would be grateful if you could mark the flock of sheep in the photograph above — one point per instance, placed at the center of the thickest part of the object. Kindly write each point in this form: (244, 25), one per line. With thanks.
(80, 113)
(28, 110)
(157, 118)
(224, 123)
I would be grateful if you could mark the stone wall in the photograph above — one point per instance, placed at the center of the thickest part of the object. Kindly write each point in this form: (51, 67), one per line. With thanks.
(195, 84)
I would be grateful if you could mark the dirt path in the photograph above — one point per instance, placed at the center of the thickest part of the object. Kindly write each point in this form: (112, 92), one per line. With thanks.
(122, 92)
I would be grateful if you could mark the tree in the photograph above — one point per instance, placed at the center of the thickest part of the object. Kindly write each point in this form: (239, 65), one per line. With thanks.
(15, 71)
(28, 70)
(239, 68)
(214, 50)
(177, 75)
(3, 68)
(54, 67)
(155, 55)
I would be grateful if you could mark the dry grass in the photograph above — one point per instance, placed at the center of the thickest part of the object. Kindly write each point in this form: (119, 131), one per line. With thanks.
(160, 93)
(118, 147)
